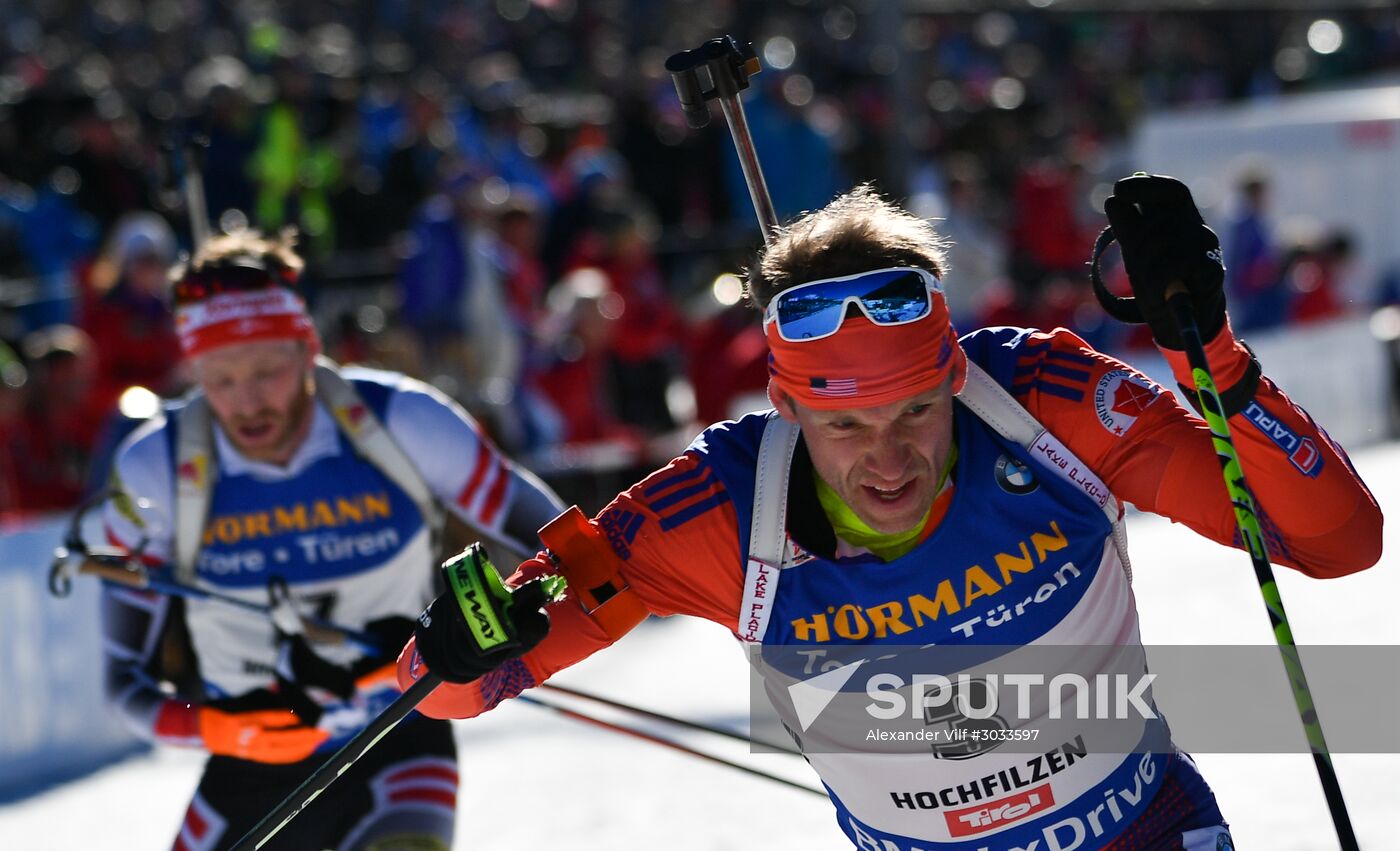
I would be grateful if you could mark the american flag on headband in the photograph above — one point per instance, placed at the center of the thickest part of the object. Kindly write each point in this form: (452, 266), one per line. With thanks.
(833, 386)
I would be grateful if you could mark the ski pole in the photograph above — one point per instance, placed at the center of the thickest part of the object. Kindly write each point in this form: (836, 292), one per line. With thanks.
(668, 719)
(1246, 518)
(382, 724)
(116, 566)
(121, 567)
(475, 582)
(182, 150)
(664, 742)
(317, 629)
(119, 570)
(728, 64)
(340, 761)
(193, 185)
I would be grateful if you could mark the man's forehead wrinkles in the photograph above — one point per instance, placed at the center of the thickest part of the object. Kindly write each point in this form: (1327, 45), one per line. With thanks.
(889, 411)
(260, 355)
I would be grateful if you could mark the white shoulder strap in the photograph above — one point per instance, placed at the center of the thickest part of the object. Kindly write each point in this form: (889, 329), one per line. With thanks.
(998, 409)
(768, 547)
(196, 467)
(373, 442)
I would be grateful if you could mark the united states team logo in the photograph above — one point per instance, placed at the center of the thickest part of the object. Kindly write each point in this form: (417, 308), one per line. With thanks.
(832, 387)
(1120, 398)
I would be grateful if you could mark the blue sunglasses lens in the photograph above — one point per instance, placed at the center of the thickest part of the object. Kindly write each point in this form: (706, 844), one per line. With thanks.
(889, 298)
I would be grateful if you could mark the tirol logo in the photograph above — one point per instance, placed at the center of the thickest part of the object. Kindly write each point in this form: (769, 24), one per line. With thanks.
(1120, 398)
(999, 813)
(1014, 476)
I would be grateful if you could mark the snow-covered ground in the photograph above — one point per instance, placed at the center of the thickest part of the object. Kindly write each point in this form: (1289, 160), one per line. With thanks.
(532, 779)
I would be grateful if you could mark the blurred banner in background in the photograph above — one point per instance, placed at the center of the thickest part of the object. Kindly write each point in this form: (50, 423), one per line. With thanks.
(54, 723)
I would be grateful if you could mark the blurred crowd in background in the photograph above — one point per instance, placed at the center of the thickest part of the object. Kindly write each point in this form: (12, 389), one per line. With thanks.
(503, 198)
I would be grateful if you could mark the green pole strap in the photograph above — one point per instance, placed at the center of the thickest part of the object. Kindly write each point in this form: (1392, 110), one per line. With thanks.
(485, 600)
(1252, 536)
(482, 597)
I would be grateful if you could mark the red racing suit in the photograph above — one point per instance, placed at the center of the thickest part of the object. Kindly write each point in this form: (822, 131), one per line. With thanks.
(680, 543)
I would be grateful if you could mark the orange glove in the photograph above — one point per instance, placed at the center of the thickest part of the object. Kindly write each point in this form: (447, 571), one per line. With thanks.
(384, 676)
(253, 730)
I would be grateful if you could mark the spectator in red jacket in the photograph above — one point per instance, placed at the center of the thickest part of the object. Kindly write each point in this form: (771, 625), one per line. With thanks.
(1317, 280)
(51, 445)
(570, 369)
(129, 318)
(644, 344)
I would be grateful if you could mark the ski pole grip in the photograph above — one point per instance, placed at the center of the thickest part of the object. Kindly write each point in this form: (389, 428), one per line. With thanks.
(1179, 302)
(483, 599)
(692, 97)
(728, 64)
(112, 573)
(60, 575)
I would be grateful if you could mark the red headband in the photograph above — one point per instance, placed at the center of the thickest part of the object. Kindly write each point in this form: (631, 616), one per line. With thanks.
(864, 365)
(243, 317)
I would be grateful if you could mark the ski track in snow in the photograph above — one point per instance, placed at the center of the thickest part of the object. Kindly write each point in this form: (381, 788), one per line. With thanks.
(532, 779)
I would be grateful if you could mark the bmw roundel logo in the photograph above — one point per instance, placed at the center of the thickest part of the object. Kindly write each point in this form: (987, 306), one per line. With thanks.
(1015, 477)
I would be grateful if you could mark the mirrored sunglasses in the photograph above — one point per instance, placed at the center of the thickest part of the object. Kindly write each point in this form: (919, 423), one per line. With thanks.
(815, 310)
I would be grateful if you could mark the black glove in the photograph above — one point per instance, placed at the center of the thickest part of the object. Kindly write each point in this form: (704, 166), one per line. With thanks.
(512, 622)
(300, 667)
(390, 634)
(1164, 239)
